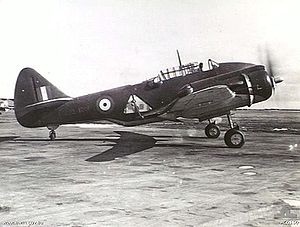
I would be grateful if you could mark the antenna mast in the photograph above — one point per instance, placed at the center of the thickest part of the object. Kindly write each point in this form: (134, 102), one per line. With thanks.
(179, 58)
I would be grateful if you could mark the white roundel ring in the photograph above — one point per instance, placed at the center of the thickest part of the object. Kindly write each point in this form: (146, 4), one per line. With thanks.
(104, 104)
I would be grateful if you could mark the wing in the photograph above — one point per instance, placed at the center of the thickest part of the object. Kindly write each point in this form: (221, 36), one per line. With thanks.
(202, 102)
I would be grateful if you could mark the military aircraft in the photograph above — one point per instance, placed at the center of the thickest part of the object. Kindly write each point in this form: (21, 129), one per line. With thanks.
(6, 104)
(185, 91)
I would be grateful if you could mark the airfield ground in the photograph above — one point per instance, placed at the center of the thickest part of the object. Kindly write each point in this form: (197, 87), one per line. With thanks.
(165, 174)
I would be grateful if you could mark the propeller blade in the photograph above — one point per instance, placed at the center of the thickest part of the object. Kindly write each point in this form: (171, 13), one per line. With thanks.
(270, 69)
(269, 64)
(267, 59)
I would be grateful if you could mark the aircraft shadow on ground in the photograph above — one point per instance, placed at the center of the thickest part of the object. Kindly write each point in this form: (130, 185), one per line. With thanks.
(64, 140)
(7, 138)
(128, 143)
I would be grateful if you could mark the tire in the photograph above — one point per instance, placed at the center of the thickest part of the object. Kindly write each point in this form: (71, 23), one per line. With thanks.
(212, 131)
(234, 138)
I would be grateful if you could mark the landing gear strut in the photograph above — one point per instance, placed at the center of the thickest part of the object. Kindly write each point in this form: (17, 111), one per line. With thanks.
(234, 138)
(52, 133)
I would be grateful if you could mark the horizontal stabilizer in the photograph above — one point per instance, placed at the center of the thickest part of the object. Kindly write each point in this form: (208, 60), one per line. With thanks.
(49, 104)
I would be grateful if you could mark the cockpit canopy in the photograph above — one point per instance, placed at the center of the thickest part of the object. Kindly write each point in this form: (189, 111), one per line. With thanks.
(183, 70)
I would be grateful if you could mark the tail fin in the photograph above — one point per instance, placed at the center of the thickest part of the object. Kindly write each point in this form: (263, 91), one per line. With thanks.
(34, 95)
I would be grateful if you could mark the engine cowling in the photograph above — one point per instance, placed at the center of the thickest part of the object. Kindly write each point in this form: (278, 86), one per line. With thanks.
(249, 85)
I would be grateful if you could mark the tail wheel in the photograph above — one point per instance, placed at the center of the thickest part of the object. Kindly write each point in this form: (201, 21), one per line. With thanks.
(234, 138)
(212, 131)
(52, 135)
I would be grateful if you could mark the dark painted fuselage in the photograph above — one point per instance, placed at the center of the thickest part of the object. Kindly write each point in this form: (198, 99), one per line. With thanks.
(157, 95)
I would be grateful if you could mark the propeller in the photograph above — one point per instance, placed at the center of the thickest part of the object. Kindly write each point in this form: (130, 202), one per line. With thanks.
(270, 69)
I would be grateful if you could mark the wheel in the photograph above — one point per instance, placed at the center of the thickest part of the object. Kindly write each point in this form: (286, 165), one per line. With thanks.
(212, 131)
(234, 138)
(52, 135)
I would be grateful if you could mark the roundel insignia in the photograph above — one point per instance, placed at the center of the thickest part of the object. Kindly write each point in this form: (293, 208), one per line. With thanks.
(104, 104)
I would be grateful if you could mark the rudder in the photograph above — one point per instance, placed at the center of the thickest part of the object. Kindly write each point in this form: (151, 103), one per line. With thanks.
(31, 88)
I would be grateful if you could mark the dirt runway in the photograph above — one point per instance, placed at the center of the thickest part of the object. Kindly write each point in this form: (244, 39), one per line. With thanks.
(166, 174)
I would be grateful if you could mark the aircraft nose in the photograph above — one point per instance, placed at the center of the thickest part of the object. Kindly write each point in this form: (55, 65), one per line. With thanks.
(262, 85)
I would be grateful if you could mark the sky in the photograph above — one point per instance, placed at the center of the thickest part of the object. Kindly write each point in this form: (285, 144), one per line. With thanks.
(85, 46)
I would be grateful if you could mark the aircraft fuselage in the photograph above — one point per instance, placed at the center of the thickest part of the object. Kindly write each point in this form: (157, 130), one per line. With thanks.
(88, 108)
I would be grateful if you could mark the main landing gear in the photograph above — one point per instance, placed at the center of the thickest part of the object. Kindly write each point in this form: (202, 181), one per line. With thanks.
(233, 138)
(52, 133)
